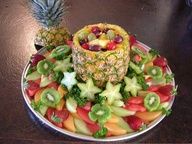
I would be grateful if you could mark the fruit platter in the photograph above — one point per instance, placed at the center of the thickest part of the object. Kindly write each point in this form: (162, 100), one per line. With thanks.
(101, 85)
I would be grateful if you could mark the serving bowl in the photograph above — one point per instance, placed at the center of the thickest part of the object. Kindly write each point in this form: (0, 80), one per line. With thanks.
(52, 127)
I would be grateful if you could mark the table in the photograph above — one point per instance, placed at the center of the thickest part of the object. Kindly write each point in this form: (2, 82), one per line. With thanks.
(161, 24)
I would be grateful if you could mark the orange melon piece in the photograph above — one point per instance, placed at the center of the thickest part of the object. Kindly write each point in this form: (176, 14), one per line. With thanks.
(75, 115)
(62, 91)
(37, 96)
(113, 119)
(114, 129)
(60, 105)
(148, 116)
(149, 64)
(69, 124)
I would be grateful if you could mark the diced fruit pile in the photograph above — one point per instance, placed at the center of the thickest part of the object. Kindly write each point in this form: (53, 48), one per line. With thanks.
(57, 93)
(97, 39)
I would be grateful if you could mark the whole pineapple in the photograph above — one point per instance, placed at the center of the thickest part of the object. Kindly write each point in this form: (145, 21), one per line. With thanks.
(49, 14)
(102, 66)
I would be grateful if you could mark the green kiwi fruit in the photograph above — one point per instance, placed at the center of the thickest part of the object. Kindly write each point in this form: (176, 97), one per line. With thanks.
(44, 67)
(60, 52)
(155, 72)
(151, 101)
(50, 97)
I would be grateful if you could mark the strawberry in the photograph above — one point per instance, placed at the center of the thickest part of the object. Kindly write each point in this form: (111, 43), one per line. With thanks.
(135, 100)
(87, 106)
(32, 88)
(85, 46)
(137, 58)
(153, 88)
(111, 45)
(134, 122)
(160, 61)
(132, 40)
(135, 107)
(163, 98)
(57, 117)
(166, 90)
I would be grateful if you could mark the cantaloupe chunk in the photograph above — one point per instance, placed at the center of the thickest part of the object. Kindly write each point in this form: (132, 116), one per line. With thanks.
(113, 119)
(147, 65)
(62, 91)
(69, 124)
(148, 116)
(60, 105)
(114, 129)
(37, 96)
(75, 115)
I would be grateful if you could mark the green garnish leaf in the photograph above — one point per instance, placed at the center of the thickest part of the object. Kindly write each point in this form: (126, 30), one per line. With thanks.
(57, 76)
(153, 52)
(35, 106)
(143, 127)
(166, 111)
(101, 133)
(142, 82)
(169, 77)
(125, 94)
(174, 92)
(100, 99)
(75, 94)
(49, 48)
(31, 70)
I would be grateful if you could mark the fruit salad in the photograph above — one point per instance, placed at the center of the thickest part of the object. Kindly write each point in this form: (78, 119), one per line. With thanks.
(59, 93)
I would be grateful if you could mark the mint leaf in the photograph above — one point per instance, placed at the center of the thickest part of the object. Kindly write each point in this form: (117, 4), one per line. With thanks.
(167, 112)
(169, 77)
(56, 119)
(101, 133)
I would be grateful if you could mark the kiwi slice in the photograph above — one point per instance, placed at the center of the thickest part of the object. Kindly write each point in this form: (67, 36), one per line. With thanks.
(44, 67)
(50, 97)
(60, 52)
(152, 101)
(155, 72)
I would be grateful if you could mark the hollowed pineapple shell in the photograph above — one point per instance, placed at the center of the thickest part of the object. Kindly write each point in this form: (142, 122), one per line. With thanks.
(102, 66)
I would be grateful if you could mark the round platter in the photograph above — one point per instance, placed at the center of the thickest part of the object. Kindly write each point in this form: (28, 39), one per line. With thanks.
(81, 136)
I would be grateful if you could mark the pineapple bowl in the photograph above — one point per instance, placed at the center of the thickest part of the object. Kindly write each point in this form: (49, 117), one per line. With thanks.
(96, 55)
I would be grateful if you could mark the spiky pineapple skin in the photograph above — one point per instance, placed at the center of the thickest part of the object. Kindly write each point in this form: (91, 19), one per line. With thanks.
(54, 36)
(102, 66)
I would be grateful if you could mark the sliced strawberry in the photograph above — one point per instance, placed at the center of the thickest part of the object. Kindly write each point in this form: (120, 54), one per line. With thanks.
(164, 69)
(163, 98)
(136, 100)
(84, 115)
(135, 107)
(134, 122)
(53, 85)
(38, 81)
(132, 40)
(166, 90)
(93, 127)
(160, 61)
(87, 106)
(32, 88)
(60, 115)
(153, 88)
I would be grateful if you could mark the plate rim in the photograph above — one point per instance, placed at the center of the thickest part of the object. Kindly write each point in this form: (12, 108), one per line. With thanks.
(85, 137)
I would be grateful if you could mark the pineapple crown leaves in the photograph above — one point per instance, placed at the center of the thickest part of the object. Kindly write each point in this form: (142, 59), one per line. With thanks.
(48, 12)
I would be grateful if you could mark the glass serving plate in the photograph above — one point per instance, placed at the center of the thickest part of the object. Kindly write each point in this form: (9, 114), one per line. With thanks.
(52, 127)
